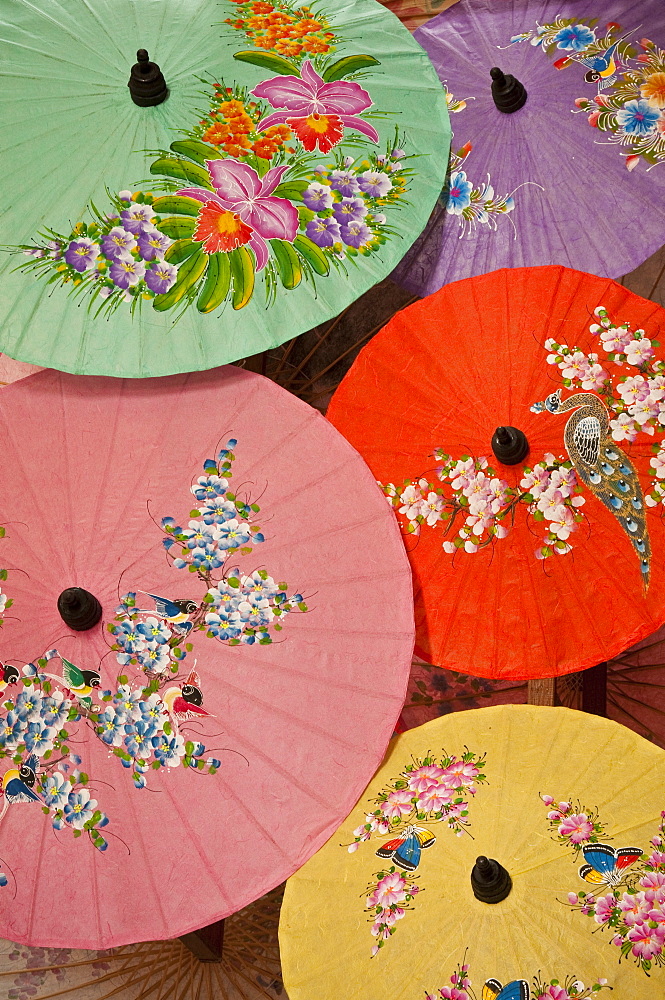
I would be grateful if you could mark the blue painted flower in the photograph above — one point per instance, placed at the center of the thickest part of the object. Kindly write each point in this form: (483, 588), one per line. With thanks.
(375, 183)
(168, 749)
(39, 738)
(345, 182)
(356, 233)
(11, 730)
(155, 658)
(3, 882)
(217, 510)
(233, 533)
(199, 535)
(160, 277)
(258, 586)
(128, 700)
(152, 245)
(55, 789)
(154, 710)
(205, 558)
(317, 197)
(80, 808)
(224, 624)
(29, 705)
(323, 232)
(349, 209)
(154, 630)
(125, 271)
(459, 193)
(638, 117)
(209, 486)
(55, 710)
(128, 637)
(138, 739)
(82, 254)
(574, 38)
(118, 243)
(256, 614)
(111, 726)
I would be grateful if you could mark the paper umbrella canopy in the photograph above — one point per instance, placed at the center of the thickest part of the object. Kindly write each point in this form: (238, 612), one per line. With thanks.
(553, 888)
(571, 175)
(199, 575)
(295, 157)
(155, 970)
(516, 422)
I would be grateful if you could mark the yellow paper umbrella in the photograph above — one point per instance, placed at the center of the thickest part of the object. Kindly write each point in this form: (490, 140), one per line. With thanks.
(569, 804)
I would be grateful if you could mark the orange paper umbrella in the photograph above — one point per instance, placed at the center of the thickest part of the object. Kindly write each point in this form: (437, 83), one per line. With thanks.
(516, 422)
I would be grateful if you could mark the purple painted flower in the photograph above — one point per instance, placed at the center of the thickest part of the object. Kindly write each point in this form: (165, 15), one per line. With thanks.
(356, 233)
(125, 271)
(152, 245)
(137, 217)
(316, 111)
(239, 189)
(82, 253)
(160, 277)
(375, 183)
(349, 209)
(344, 181)
(117, 242)
(638, 117)
(317, 197)
(323, 232)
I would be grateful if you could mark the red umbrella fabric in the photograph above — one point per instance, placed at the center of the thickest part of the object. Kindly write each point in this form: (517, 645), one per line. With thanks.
(552, 564)
(181, 757)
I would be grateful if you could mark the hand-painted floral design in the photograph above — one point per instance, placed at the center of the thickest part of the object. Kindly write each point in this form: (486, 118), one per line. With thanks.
(573, 824)
(473, 205)
(483, 506)
(38, 965)
(634, 400)
(633, 910)
(630, 103)
(234, 607)
(540, 989)
(237, 193)
(428, 790)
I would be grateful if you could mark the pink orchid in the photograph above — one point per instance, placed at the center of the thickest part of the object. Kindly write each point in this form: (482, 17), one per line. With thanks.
(318, 112)
(240, 193)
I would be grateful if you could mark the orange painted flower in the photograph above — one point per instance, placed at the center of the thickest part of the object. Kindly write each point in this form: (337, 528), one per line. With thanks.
(217, 133)
(220, 230)
(324, 131)
(653, 89)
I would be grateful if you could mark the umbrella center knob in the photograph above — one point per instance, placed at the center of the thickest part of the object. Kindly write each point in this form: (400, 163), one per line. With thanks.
(490, 881)
(79, 609)
(147, 85)
(508, 93)
(510, 445)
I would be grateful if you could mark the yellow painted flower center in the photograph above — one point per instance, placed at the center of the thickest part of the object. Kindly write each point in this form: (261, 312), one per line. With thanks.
(318, 123)
(228, 224)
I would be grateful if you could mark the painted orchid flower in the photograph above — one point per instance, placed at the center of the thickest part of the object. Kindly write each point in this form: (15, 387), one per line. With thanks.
(318, 112)
(242, 210)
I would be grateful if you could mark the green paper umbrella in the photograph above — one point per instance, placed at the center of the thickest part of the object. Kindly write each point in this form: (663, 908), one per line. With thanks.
(311, 144)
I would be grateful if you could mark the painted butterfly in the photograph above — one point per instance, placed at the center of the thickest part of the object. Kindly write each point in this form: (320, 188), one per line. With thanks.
(517, 990)
(405, 849)
(606, 864)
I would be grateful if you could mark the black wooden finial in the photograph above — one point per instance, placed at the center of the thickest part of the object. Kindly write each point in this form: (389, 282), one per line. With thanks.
(508, 93)
(510, 445)
(490, 881)
(79, 609)
(147, 85)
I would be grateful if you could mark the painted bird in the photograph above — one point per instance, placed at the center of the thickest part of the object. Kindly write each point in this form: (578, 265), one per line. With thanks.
(10, 675)
(80, 682)
(602, 67)
(517, 990)
(185, 702)
(176, 612)
(603, 466)
(18, 785)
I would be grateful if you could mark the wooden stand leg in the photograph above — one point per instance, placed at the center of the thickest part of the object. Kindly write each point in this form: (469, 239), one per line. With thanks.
(541, 691)
(207, 942)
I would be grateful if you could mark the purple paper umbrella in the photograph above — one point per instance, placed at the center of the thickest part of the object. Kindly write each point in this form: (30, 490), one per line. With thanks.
(575, 176)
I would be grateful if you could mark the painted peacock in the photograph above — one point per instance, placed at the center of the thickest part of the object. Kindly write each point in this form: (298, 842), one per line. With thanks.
(603, 466)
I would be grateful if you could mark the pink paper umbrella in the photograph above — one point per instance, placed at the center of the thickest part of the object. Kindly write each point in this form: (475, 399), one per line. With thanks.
(206, 642)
